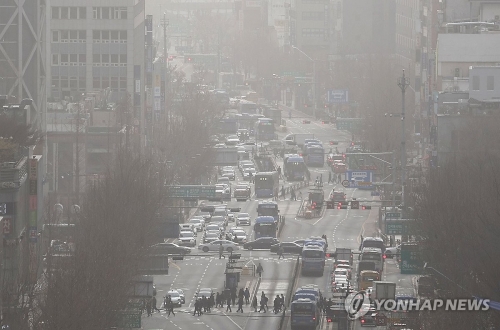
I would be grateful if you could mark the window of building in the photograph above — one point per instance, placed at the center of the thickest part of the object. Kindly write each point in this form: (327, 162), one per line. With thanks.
(105, 58)
(123, 36)
(73, 58)
(96, 83)
(55, 36)
(64, 12)
(475, 83)
(96, 12)
(73, 12)
(105, 36)
(82, 58)
(55, 13)
(96, 58)
(123, 58)
(114, 58)
(96, 36)
(105, 82)
(82, 36)
(55, 81)
(82, 12)
(73, 35)
(64, 82)
(313, 33)
(123, 83)
(114, 82)
(64, 59)
(64, 36)
(490, 83)
(312, 15)
(73, 83)
(55, 59)
(114, 36)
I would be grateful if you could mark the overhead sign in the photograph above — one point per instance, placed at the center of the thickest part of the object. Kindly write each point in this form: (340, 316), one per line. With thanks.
(360, 179)
(225, 157)
(338, 96)
(393, 215)
(411, 262)
(191, 191)
(398, 227)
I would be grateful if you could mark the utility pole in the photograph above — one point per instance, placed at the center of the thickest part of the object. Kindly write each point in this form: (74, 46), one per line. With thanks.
(315, 103)
(403, 83)
(77, 165)
(165, 23)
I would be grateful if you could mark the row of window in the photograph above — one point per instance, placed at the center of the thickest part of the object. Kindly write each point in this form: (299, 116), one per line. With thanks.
(312, 15)
(490, 83)
(97, 83)
(69, 13)
(405, 41)
(98, 36)
(81, 12)
(313, 33)
(109, 12)
(98, 59)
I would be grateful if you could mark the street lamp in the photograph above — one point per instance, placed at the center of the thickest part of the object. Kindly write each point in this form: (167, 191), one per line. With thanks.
(313, 80)
(403, 83)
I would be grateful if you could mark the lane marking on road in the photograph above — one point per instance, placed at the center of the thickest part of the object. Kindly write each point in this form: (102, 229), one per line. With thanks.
(230, 319)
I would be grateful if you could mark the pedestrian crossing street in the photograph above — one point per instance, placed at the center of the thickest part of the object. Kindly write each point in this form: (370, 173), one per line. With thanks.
(192, 260)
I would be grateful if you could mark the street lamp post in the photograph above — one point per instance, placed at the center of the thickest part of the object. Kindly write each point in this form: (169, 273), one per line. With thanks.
(403, 84)
(313, 80)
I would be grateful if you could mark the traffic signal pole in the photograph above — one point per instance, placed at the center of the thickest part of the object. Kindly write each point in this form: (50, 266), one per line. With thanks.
(403, 83)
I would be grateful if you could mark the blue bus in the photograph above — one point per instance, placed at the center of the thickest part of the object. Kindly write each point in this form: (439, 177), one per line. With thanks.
(294, 167)
(313, 260)
(268, 209)
(266, 183)
(305, 314)
(314, 155)
(264, 130)
(248, 107)
(265, 226)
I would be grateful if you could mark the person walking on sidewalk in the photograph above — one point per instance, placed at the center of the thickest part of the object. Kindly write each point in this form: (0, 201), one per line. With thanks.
(292, 195)
(154, 305)
(170, 307)
(260, 270)
(228, 308)
(254, 303)
(247, 296)
(300, 195)
(240, 304)
(263, 302)
(279, 171)
(221, 251)
(281, 250)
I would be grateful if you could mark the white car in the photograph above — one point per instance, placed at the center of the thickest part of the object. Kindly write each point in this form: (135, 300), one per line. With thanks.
(232, 140)
(213, 227)
(248, 173)
(390, 252)
(187, 227)
(214, 246)
(210, 236)
(198, 224)
(187, 238)
(243, 219)
(175, 297)
(240, 234)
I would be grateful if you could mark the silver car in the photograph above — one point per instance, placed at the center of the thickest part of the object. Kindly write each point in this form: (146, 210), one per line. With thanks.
(215, 245)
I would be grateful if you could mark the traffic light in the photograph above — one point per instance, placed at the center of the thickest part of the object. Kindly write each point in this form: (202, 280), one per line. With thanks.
(366, 207)
(177, 257)
(313, 206)
(354, 205)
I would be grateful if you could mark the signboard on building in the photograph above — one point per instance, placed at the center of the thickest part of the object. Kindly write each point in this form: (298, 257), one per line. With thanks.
(338, 96)
(360, 179)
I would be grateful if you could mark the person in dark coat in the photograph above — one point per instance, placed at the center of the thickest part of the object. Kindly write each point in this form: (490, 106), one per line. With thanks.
(228, 308)
(153, 304)
(254, 303)
(240, 304)
(233, 296)
(247, 296)
(148, 307)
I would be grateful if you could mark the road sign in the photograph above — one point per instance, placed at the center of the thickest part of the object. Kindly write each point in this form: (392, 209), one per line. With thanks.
(192, 191)
(354, 205)
(360, 179)
(398, 227)
(411, 262)
(345, 183)
(393, 215)
(129, 319)
(338, 96)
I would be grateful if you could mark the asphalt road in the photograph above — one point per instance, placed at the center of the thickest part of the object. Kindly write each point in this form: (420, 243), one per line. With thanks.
(342, 227)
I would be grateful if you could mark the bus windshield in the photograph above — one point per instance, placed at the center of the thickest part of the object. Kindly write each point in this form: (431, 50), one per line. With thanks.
(312, 254)
(304, 308)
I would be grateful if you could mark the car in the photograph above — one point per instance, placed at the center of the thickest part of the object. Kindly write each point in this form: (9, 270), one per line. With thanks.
(390, 252)
(288, 247)
(197, 223)
(248, 146)
(220, 145)
(207, 292)
(249, 173)
(175, 297)
(205, 215)
(231, 217)
(369, 319)
(229, 174)
(215, 245)
(169, 248)
(243, 219)
(242, 192)
(261, 243)
(181, 293)
(187, 238)
(187, 227)
(211, 236)
(214, 227)
(220, 220)
(299, 242)
(247, 165)
(240, 234)
(232, 140)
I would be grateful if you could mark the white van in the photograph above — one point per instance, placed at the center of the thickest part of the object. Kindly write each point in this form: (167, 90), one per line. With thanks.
(225, 180)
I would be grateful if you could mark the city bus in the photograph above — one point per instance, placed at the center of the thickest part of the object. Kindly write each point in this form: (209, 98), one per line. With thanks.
(304, 314)
(264, 130)
(268, 209)
(248, 107)
(366, 278)
(314, 155)
(266, 183)
(375, 255)
(313, 260)
(294, 168)
(265, 226)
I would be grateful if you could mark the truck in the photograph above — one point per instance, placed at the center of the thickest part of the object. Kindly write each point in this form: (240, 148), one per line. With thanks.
(344, 254)
(298, 139)
(336, 309)
(384, 290)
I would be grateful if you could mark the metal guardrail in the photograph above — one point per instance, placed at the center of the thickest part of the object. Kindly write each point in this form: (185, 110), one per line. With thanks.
(289, 293)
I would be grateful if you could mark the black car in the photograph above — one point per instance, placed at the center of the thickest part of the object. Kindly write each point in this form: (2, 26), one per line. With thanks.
(261, 243)
(169, 248)
(288, 247)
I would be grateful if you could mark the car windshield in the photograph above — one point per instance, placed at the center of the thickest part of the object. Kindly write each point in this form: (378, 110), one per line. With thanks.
(239, 232)
(212, 234)
(174, 294)
(212, 227)
(218, 219)
(195, 221)
(185, 234)
(243, 215)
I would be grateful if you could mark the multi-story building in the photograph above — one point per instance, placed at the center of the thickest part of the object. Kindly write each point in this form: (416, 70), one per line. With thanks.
(97, 45)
